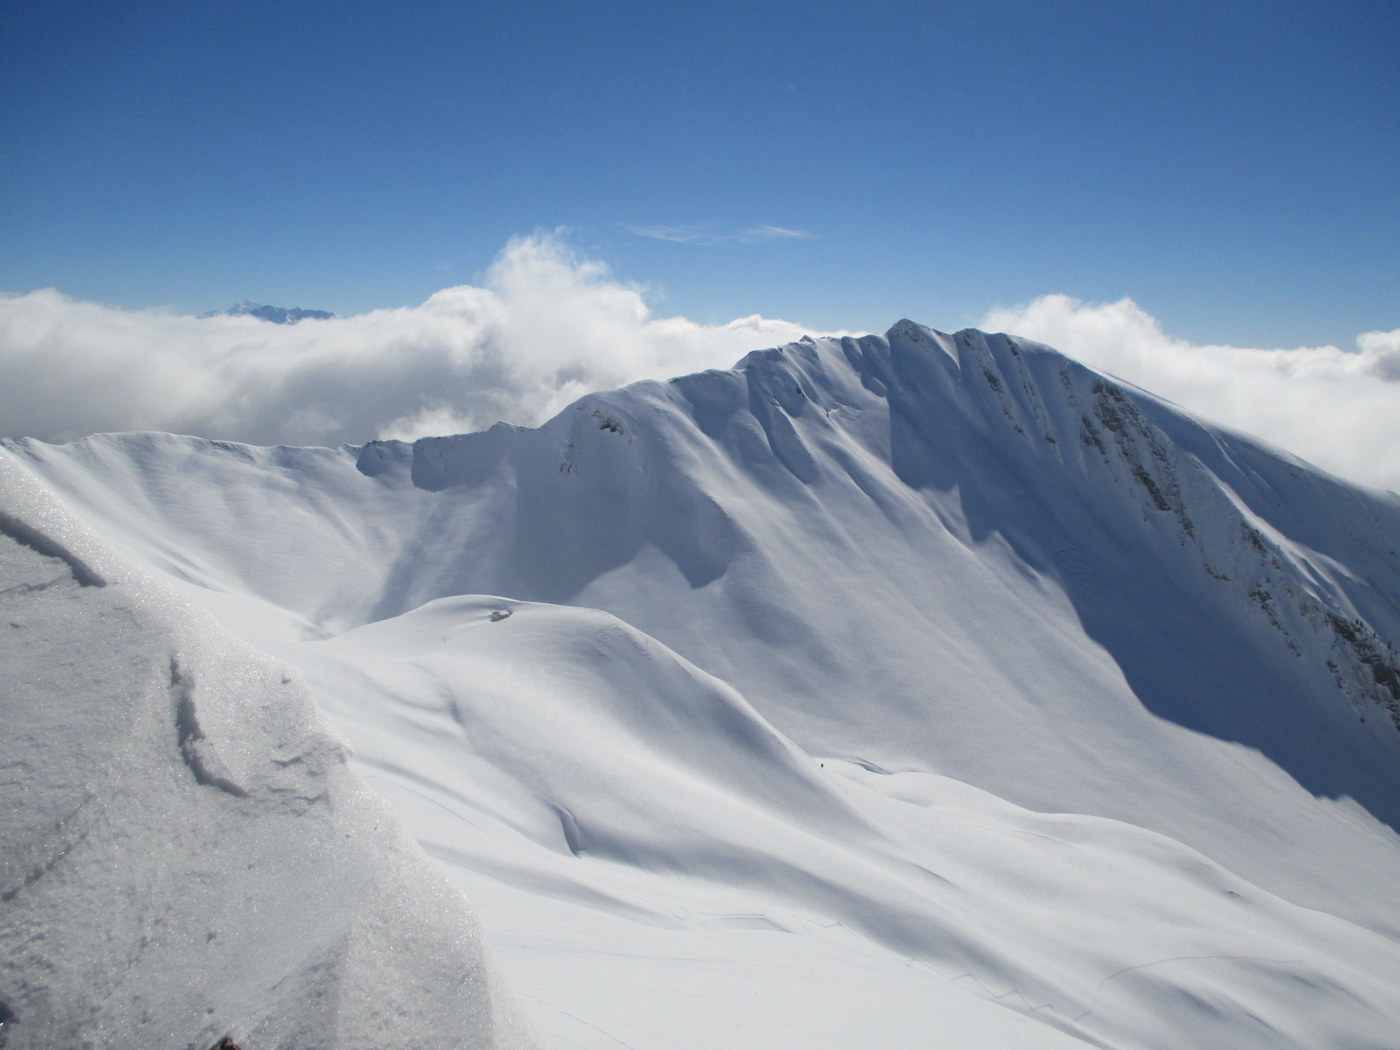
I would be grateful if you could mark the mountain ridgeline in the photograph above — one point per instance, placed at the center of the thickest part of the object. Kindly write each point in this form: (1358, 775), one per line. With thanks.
(1092, 482)
(274, 314)
(1015, 671)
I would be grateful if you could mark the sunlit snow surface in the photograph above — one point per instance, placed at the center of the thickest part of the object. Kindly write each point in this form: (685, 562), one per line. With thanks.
(185, 857)
(908, 691)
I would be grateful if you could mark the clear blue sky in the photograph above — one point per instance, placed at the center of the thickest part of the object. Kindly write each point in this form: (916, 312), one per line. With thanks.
(1233, 166)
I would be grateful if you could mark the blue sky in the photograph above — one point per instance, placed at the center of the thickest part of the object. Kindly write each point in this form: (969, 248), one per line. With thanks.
(1234, 168)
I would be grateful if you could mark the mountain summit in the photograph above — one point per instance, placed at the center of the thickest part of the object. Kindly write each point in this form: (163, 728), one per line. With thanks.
(275, 314)
(892, 685)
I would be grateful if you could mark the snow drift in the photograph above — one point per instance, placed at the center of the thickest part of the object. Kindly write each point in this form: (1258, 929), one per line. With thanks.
(934, 678)
(184, 856)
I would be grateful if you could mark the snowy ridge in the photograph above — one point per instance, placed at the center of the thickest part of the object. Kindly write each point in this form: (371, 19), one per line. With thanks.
(938, 652)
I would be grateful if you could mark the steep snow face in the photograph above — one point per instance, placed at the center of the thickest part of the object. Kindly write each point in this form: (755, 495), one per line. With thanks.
(823, 639)
(184, 856)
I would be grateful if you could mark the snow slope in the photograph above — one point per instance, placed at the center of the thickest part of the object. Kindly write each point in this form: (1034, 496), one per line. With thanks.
(184, 856)
(935, 687)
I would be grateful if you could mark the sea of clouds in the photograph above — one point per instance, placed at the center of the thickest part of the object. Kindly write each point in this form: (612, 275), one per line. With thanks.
(1339, 409)
(549, 326)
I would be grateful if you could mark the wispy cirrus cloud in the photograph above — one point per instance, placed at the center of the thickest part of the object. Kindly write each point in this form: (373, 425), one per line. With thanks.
(705, 233)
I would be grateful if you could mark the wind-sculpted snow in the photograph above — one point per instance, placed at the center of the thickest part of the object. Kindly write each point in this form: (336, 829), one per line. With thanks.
(603, 746)
(938, 652)
(184, 857)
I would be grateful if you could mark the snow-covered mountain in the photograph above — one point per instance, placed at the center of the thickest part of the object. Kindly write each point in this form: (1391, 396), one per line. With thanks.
(892, 690)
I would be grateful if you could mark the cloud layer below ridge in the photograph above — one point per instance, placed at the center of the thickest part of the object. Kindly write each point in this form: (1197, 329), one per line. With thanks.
(546, 328)
(1336, 408)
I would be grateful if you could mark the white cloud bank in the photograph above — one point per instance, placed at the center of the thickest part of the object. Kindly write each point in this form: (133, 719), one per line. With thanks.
(547, 328)
(1338, 409)
(550, 326)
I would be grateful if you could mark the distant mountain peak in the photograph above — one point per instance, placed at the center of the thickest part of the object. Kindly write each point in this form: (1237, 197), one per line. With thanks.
(275, 314)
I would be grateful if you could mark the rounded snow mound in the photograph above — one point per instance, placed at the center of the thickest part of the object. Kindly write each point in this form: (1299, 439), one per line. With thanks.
(184, 856)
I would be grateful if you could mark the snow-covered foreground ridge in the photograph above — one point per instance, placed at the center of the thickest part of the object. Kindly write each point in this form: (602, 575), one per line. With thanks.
(915, 689)
(184, 856)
